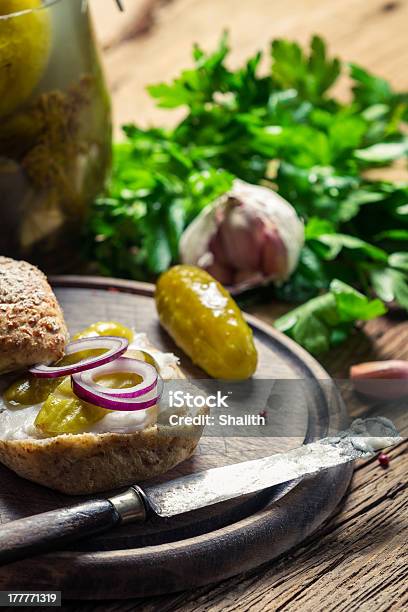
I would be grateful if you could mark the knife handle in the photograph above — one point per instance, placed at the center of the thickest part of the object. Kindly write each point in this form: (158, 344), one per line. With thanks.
(43, 532)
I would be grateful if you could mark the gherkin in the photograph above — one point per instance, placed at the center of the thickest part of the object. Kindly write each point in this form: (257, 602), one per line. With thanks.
(29, 390)
(106, 328)
(204, 321)
(62, 411)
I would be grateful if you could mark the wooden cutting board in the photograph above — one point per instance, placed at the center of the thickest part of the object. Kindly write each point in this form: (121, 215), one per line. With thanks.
(199, 547)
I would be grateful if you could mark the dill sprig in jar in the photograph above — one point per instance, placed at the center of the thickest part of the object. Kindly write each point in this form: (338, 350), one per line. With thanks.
(55, 129)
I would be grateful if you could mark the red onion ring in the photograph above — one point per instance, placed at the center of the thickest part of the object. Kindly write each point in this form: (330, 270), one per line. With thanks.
(86, 380)
(111, 402)
(115, 346)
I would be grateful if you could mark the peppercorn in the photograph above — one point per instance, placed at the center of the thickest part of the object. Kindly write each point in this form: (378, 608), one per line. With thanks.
(383, 460)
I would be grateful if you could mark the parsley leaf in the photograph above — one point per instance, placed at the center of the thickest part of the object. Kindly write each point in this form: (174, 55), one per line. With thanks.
(391, 282)
(321, 322)
(310, 75)
(197, 86)
(369, 90)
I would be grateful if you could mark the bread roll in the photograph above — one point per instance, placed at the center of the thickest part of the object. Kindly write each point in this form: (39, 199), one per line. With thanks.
(32, 327)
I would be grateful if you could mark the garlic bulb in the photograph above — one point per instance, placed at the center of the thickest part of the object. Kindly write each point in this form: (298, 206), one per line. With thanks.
(248, 237)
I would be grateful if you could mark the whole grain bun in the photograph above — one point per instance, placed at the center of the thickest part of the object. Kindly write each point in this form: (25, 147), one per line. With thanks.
(90, 463)
(32, 327)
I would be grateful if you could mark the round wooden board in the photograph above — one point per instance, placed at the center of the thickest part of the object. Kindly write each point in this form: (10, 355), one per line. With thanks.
(200, 547)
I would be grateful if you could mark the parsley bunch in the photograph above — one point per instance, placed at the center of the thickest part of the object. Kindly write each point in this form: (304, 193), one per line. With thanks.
(283, 129)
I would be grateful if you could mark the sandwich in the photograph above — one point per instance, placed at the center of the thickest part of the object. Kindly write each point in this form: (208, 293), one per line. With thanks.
(81, 418)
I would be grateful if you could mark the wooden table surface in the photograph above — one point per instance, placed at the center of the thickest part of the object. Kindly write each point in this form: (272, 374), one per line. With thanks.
(359, 560)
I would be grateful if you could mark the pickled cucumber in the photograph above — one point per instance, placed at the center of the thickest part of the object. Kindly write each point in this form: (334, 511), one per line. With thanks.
(142, 356)
(106, 328)
(25, 41)
(204, 321)
(29, 390)
(119, 380)
(64, 413)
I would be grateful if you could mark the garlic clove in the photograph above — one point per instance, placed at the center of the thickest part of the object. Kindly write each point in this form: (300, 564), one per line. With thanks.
(241, 233)
(381, 379)
(216, 248)
(392, 368)
(274, 255)
(223, 274)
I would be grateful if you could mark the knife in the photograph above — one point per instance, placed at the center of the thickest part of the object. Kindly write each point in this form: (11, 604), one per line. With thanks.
(43, 532)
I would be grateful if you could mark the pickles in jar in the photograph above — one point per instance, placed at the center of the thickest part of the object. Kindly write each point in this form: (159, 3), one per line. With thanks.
(206, 323)
(25, 34)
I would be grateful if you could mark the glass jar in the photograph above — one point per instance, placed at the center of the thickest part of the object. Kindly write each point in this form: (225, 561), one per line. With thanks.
(55, 129)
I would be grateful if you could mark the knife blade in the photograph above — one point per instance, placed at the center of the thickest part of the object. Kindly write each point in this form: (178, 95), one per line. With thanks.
(46, 531)
(221, 484)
